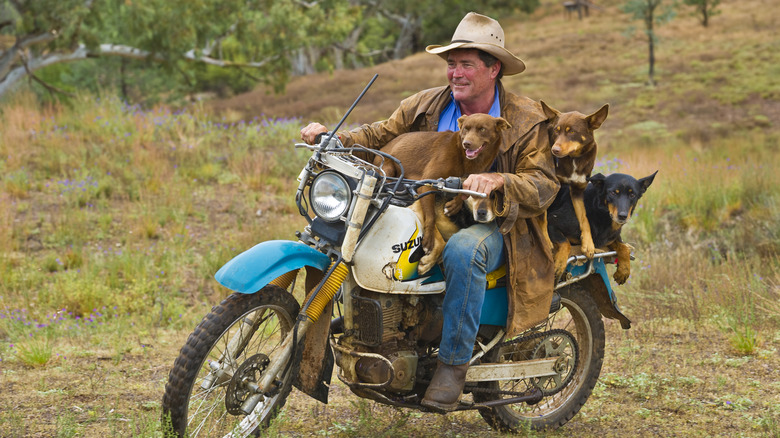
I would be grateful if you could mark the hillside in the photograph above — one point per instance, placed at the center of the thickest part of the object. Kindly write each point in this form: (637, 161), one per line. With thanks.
(725, 77)
(114, 219)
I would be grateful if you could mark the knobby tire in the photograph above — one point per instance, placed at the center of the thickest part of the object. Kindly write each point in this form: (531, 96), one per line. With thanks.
(183, 392)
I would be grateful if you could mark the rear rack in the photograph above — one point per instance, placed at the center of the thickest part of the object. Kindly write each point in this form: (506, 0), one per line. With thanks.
(578, 260)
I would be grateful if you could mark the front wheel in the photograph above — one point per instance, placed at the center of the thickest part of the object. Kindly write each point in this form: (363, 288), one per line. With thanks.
(581, 319)
(210, 388)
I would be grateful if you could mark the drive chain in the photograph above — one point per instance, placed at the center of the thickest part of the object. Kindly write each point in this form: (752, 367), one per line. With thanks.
(520, 340)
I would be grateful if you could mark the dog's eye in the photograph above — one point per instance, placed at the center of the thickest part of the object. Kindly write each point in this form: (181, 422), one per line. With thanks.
(557, 129)
(568, 129)
(481, 129)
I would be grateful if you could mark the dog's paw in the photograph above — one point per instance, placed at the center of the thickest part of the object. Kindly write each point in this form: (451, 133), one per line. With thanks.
(425, 265)
(621, 275)
(587, 248)
(428, 261)
(453, 206)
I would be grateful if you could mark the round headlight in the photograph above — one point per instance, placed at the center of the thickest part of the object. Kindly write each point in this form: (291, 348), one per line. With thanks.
(330, 196)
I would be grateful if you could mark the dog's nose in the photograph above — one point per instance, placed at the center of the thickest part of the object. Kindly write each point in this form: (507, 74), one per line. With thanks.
(622, 216)
(467, 144)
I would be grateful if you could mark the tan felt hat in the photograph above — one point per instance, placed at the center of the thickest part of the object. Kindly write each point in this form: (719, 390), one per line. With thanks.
(477, 31)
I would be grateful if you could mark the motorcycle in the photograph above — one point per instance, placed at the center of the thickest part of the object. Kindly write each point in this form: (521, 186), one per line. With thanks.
(357, 257)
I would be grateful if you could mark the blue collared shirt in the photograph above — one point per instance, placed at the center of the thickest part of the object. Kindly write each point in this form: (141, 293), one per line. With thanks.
(448, 119)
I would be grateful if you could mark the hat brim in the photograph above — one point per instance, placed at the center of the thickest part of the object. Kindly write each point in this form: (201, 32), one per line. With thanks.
(512, 64)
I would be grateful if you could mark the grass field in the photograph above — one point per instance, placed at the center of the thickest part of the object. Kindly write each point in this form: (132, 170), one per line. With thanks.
(113, 219)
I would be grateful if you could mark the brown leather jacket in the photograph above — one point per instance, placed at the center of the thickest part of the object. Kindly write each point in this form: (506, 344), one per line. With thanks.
(526, 163)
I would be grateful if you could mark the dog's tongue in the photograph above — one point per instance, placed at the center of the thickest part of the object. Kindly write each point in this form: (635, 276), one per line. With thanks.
(471, 154)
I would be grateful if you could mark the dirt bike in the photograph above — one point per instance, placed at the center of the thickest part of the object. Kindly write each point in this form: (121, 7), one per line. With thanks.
(357, 258)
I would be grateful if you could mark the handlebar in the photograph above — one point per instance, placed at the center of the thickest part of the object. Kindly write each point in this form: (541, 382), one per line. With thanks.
(454, 184)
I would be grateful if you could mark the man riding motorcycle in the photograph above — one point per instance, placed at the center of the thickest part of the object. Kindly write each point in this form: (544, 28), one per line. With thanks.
(522, 186)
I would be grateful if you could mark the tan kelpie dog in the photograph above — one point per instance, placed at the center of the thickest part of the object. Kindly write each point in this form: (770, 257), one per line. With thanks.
(574, 150)
(433, 155)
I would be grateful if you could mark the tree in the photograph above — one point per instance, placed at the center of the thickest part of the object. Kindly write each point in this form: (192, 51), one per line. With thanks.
(651, 12)
(261, 35)
(704, 9)
(407, 26)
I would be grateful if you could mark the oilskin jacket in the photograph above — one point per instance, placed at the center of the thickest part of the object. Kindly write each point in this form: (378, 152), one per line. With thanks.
(530, 186)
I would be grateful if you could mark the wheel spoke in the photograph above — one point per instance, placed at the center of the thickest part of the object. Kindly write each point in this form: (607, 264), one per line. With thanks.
(227, 346)
(578, 346)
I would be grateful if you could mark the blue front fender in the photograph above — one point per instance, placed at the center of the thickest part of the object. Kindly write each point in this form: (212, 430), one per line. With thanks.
(254, 268)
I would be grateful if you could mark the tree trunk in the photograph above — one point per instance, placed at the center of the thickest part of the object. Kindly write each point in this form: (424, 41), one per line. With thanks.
(651, 58)
(123, 79)
(404, 45)
(649, 20)
(704, 15)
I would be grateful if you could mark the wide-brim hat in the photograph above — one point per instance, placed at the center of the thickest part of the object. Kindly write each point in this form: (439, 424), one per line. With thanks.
(477, 31)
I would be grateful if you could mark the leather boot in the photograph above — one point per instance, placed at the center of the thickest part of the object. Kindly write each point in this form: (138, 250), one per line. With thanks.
(446, 386)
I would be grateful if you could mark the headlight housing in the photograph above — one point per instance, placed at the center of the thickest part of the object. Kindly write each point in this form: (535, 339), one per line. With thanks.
(330, 196)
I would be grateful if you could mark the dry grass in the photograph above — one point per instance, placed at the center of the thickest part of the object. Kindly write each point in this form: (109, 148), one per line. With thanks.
(120, 216)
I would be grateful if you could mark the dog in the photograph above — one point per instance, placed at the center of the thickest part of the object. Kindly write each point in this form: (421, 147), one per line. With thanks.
(433, 155)
(609, 203)
(574, 149)
(477, 210)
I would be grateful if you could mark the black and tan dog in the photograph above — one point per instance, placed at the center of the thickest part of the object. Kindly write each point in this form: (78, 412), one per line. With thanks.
(609, 203)
(433, 155)
(574, 149)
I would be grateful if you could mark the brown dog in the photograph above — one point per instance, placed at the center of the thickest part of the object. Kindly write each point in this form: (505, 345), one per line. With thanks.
(574, 149)
(432, 155)
(478, 210)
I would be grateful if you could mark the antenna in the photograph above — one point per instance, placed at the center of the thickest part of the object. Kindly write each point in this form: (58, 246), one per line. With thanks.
(354, 104)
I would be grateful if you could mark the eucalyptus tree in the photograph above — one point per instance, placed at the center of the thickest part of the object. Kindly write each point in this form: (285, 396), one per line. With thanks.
(704, 9)
(651, 13)
(415, 24)
(258, 35)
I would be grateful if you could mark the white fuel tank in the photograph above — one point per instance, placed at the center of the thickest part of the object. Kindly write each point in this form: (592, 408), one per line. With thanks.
(386, 259)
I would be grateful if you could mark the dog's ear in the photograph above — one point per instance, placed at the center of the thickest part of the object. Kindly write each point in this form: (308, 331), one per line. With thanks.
(550, 112)
(596, 119)
(597, 180)
(501, 124)
(460, 120)
(646, 181)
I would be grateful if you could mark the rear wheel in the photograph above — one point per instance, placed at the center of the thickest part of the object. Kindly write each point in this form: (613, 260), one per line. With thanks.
(580, 319)
(210, 384)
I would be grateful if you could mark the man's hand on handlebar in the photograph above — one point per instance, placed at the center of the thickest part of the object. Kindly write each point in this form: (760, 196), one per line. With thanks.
(484, 183)
(310, 132)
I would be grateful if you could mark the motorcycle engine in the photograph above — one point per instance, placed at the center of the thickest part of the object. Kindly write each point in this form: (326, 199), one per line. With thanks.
(396, 327)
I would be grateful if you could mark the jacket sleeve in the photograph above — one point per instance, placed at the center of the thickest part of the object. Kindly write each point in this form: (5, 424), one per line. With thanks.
(411, 115)
(532, 187)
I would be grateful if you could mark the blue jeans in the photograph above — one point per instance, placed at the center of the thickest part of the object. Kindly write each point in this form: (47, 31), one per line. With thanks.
(468, 256)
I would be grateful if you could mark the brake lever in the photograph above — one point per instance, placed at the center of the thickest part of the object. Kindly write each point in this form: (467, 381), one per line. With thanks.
(453, 184)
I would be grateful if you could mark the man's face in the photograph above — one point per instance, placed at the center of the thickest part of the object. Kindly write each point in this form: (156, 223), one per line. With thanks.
(469, 77)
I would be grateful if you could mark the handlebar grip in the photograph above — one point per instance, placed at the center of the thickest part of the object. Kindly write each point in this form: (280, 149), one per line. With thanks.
(453, 182)
(318, 137)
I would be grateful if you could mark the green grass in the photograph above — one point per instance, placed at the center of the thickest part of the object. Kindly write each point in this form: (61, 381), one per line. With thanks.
(100, 261)
(114, 219)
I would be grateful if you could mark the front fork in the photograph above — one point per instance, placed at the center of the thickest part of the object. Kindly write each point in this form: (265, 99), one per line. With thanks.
(316, 301)
(224, 369)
